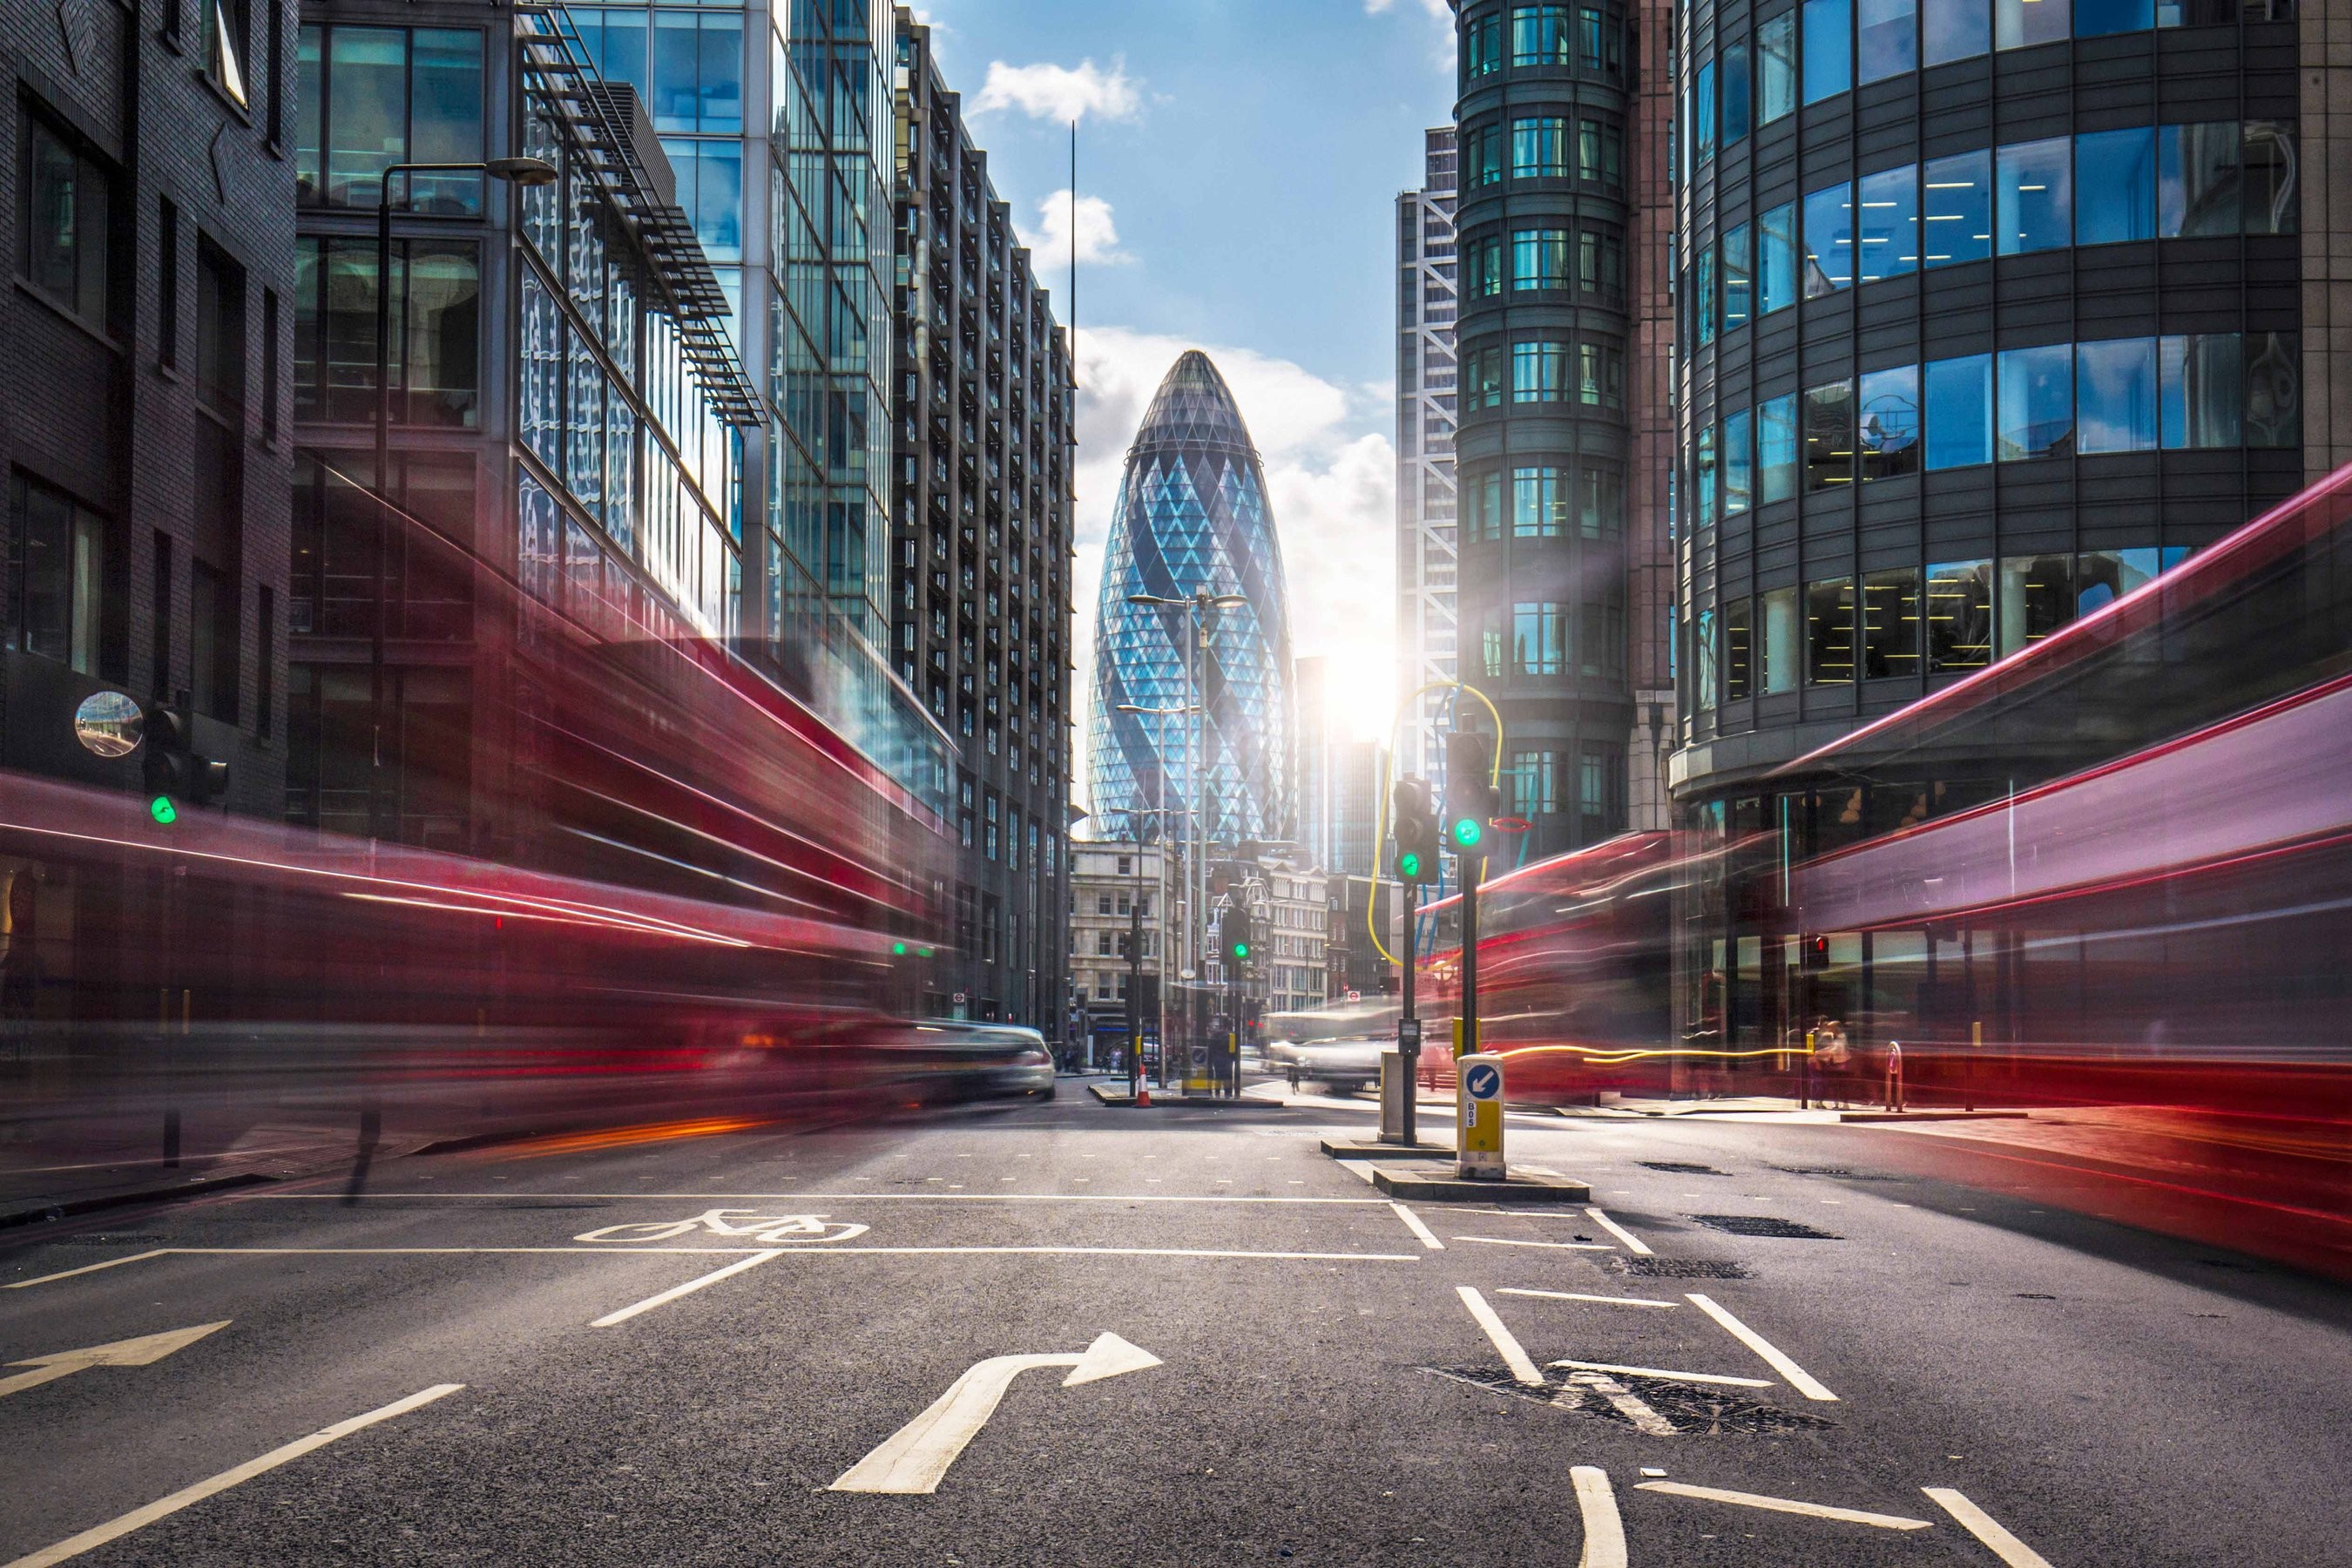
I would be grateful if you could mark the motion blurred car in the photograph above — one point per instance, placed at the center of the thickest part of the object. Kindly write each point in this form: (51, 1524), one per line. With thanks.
(942, 1061)
(1342, 1066)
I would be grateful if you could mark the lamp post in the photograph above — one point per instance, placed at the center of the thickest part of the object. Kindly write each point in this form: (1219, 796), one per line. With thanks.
(526, 172)
(1160, 812)
(1197, 605)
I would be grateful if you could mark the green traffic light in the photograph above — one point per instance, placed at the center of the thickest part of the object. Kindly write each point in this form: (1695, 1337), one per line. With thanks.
(1409, 865)
(1241, 949)
(161, 809)
(898, 949)
(1468, 831)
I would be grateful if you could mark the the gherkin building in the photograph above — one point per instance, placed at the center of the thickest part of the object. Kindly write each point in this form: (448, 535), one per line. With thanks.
(1192, 515)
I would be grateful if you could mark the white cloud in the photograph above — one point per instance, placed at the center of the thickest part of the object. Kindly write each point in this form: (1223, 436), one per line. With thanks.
(1097, 234)
(1437, 10)
(1330, 480)
(1048, 92)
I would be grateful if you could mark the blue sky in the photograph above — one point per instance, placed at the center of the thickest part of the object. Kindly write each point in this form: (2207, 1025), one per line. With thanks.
(1249, 153)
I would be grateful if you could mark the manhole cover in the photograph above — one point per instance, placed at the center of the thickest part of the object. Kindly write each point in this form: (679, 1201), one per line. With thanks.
(1692, 1412)
(1680, 1168)
(1763, 1224)
(1840, 1171)
(1675, 1269)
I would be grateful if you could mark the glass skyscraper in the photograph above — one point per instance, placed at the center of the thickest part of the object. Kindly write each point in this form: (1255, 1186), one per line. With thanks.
(1192, 515)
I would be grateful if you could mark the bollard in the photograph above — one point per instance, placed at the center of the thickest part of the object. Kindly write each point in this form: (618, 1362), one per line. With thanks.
(1895, 1076)
(1396, 1085)
(1478, 1118)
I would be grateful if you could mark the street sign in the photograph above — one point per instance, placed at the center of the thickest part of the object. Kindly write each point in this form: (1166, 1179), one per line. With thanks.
(1478, 1117)
(1483, 1081)
(1408, 1033)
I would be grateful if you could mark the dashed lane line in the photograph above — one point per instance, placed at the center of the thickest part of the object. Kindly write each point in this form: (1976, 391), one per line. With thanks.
(1514, 1354)
(139, 1517)
(1803, 1382)
(1557, 1246)
(1634, 1243)
(1581, 1296)
(1669, 1377)
(1985, 1528)
(1412, 1223)
(937, 1197)
(1789, 1505)
(1604, 1532)
(689, 1288)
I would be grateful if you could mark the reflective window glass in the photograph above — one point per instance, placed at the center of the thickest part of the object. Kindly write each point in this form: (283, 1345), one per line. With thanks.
(1889, 423)
(2093, 17)
(1776, 67)
(2115, 396)
(2273, 390)
(1776, 449)
(1829, 48)
(1829, 240)
(2033, 184)
(1539, 147)
(2037, 597)
(1483, 154)
(2197, 190)
(1738, 463)
(2115, 184)
(2103, 576)
(1776, 261)
(2267, 162)
(1828, 632)
(1959, 411)
(1703, 469)
(1538, 506)
(1539, 371)
(1890, 623)
(1780, 642)
(1703, 294)
(1829, 436)
(1540, 35)
(1886, 41)
(1955, 222)
(2199, 396)
(1703, 137)
(1954, 29)
(1889, 223)
(698, 72)
(1704, 671)
(2018, 23)
(1481, 266)
(1539, 259)
(1960, 615)
(2036, 401)
(1482, 48)
(1540, 638)
(1737, 110)
(1739, 283)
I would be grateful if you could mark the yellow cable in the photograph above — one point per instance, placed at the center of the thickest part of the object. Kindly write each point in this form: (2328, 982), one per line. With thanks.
(1388, 778)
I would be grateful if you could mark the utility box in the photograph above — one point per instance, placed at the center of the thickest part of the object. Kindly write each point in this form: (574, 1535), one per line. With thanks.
(1396, 1082)
(1478, 1118)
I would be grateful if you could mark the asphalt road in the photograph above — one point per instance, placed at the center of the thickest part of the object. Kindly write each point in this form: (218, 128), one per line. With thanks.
(1298, 1373)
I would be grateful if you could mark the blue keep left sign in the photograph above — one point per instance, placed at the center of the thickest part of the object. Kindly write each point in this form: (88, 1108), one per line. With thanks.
(1483, 1081)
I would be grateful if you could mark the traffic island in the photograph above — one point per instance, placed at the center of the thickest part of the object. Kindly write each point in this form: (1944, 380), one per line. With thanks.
(1438, 1187)
(1369, 1149)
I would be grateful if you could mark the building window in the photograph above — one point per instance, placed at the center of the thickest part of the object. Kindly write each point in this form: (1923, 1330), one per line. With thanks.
(1484, 154)
(1600, 375)
(1482, 506)
(1960, 615)
(1481, 266)
(2116, 396)
(220, 331)
(1954, 29)
(373, 97)
(1782, 641)
(1829, 631)
(59, 593)
(1957, 224)
(2032, 182)
(1600, 789)
(1889, 423)
(2017, 23)
(1601, 152)
(1738, 463)
(1959, 411)
(1703, 295)
(1539, 147)
(1739, 650)
(213, 638)
(1829, 436)
(1539, 259)
(1540, 638)
(1829, 240)
(2036, 402)
(1890, 623)
(1702, 468)
(1776, 450)
(1482, 48)
(2116, 173)
(1490, 650)
(1537, 506)
(2037, 597)
(228, 37)
(1540, 35)
(1704, 671)
(67, 199)
(1733, 61)
(1600, 261)
(1889, 224)
(1600, 502)
(436, 328)
(1535, 782)
(1886, 41)
(1777, 260)
(2198, 390)
(1539, 371)
(1481, 377)
(1829, 48)
(1703, 113)
(1739, 278)
(1776, 67)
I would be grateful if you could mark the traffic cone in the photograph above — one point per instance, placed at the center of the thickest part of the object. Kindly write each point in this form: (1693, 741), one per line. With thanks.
(1143, 1095)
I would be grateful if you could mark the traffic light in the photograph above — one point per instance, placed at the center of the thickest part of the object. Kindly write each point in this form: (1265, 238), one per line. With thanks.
(1237, 937)
(1472, 801)
(1415, 832)
(176, 774)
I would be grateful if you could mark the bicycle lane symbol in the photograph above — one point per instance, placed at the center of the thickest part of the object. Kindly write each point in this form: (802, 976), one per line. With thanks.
(747, 1224)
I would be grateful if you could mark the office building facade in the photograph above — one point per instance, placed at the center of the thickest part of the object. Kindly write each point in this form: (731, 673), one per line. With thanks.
(980, 547)
(1427, 561)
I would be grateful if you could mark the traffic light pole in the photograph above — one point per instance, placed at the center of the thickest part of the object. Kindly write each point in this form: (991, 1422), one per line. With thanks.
(1408, 1031)
(1471, 865)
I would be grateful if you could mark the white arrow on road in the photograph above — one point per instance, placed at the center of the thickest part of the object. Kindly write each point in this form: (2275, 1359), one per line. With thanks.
(141, 1351)
(915, 1458)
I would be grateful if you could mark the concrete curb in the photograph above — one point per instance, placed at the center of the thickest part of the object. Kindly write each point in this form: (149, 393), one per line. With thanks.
(70, 1207)
(1360, 1148)
(1523, 1186)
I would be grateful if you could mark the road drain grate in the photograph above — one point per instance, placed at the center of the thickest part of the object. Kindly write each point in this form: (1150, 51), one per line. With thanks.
(1763, 1224)
(1675, 1269)
(1680, 1168)
(1692, 1413)
(1840, 1171)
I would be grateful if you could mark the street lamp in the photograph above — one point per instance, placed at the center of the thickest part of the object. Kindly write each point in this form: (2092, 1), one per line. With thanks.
(526, 172)
(1197, 605)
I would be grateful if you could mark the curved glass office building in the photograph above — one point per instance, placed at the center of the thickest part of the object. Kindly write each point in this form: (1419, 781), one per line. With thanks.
(1192, 515)
(1989, 312)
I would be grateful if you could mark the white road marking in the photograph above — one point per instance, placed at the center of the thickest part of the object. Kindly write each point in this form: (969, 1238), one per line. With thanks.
(1634, 1243)
(1581, 1296)
(689, 1288)
(1985, 1528)
(914, 1459)
(145, 1351)
(1559, 1246)
(1515, 1355)
(139, 1517)
(1412, 1223)
(1670, 1376)
(1788, 1505)
(1362, 1169)
(1050, 1251)
(1627, 1404)
(941, 1197)
(1803, 1382)
(85, 1268)
(1604, 1532)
